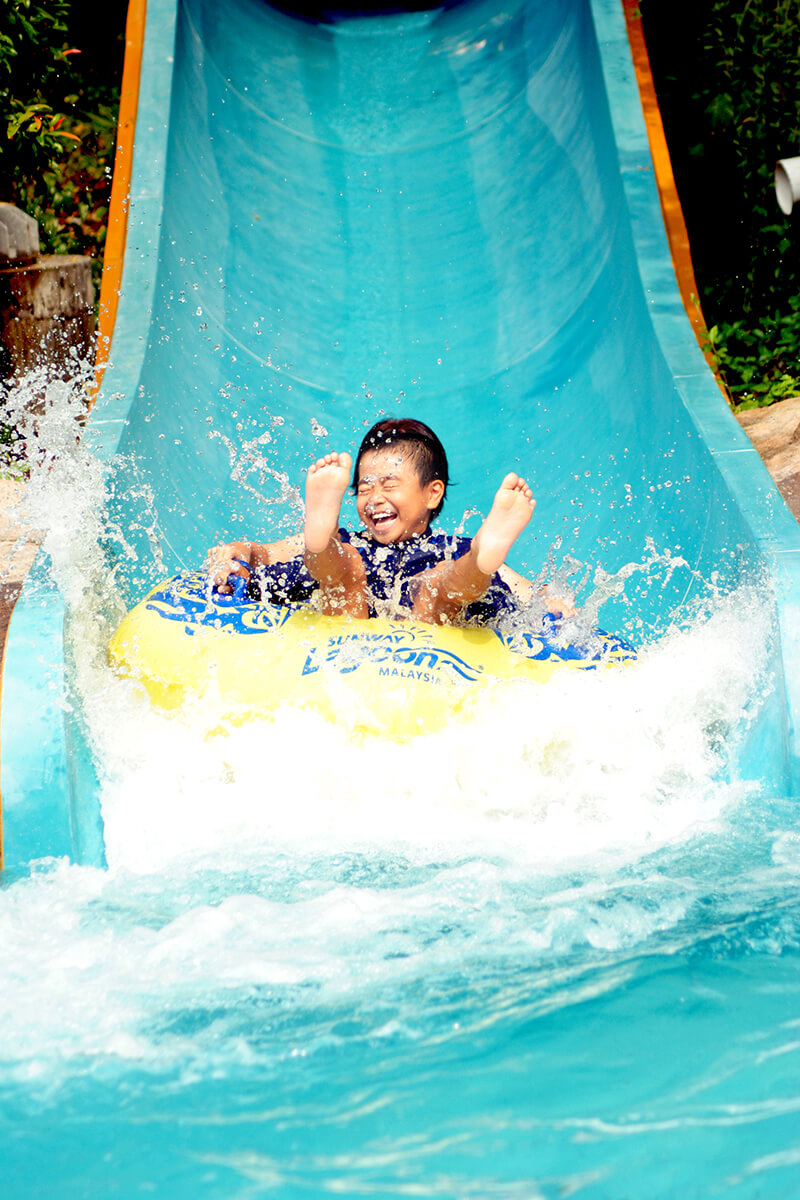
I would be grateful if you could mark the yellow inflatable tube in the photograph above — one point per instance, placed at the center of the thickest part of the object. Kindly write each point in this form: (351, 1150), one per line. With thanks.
(392, 678)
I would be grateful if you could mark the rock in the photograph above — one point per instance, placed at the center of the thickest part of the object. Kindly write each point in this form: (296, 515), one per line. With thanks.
(19, 235)
(46, 314)
(775, 433)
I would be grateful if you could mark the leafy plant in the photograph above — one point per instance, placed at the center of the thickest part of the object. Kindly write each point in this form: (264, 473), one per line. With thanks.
(759, 364)
(728, 80)
(33, 55)
(70, 200)
(753, 107)
(59, 94)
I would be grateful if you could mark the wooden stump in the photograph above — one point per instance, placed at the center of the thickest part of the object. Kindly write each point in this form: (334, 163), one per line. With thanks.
(46, 315)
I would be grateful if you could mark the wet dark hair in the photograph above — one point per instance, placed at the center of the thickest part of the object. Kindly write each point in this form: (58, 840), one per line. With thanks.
(425, 451)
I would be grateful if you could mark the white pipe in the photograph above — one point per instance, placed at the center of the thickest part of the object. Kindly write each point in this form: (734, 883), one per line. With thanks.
(787, 183)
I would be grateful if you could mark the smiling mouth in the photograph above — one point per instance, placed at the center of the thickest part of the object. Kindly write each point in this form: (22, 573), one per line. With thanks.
(381, 518)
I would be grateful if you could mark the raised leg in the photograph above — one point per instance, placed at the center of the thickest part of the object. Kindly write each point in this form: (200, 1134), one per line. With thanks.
(337, 568)
(444, 590)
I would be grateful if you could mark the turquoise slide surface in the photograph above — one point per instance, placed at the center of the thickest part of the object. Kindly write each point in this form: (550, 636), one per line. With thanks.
(448, 214)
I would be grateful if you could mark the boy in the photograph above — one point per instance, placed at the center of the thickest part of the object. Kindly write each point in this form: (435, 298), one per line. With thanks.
(400, 480)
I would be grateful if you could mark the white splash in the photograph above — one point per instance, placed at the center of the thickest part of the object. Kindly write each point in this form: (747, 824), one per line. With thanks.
(593, 762)
(224, 851)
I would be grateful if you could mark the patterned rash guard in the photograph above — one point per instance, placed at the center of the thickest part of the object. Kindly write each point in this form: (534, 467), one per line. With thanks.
(390, 570)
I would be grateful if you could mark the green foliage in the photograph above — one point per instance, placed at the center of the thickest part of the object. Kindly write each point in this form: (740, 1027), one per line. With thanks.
(728, 79)
(752, 98)
(59, 92)
(12, 453)
(33, 55)
(70, 200)
(759, 363)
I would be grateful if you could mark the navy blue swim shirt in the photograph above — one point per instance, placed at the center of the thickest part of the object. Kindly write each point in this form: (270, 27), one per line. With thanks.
(390, 570)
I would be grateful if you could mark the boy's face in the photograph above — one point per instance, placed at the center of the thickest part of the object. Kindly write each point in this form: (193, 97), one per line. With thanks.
(391, 501)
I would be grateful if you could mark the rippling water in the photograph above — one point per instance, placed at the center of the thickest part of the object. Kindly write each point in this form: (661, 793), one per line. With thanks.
(388, 1023)
(549, 953)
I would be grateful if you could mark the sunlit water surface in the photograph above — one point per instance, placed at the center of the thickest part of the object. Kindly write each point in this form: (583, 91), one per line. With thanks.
(549, 952)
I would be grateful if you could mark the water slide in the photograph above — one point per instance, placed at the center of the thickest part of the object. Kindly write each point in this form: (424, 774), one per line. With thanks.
(450, 213)
(550, 953)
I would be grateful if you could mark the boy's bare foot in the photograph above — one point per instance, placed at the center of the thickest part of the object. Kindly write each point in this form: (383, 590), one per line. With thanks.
(326, 483)
(510, 512)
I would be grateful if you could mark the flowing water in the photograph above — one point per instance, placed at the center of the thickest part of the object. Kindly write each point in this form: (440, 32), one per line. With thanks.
(552, 951)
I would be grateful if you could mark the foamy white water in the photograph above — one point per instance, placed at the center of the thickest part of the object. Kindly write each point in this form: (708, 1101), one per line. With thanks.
(610, 761)
(605, 761)
(281, 897)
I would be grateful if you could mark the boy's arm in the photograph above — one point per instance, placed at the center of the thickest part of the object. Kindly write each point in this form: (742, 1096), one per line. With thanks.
(523, 589)
(242, 558)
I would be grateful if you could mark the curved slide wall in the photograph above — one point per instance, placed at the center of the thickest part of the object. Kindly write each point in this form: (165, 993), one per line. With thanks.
(449, 214)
